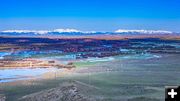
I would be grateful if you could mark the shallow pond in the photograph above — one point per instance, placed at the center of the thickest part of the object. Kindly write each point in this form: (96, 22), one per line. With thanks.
(8, 75)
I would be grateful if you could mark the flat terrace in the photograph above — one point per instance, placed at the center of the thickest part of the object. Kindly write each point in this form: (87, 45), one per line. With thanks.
(32, 63)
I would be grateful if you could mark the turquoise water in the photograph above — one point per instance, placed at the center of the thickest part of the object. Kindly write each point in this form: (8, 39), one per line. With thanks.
(140, 56)
(2, 54)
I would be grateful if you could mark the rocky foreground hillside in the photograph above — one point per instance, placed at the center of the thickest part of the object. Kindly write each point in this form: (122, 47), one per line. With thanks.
(2, 97)
(68, 92)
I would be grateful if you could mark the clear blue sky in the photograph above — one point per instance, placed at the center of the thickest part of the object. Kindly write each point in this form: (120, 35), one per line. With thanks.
(100, 15)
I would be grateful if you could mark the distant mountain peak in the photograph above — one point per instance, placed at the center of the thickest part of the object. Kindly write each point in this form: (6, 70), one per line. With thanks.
(66, 30)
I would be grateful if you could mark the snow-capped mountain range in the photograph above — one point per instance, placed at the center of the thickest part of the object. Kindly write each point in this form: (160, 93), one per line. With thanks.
(58, 32)
(144, 31)
(47, 31)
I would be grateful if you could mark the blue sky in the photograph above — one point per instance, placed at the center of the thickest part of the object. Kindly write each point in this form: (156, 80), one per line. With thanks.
(98, 15)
